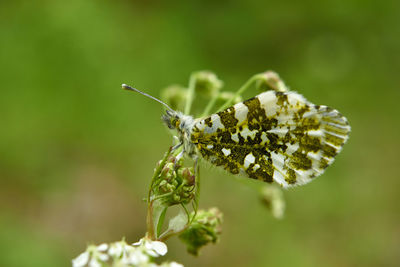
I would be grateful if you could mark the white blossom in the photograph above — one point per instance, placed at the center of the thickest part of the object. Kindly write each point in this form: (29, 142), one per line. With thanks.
(124, 255)
(115, 249)
(175, 264)
(102, 247)
(159, 247)
(137, 257)
(81, 260)
(153, 248)
(94, 263)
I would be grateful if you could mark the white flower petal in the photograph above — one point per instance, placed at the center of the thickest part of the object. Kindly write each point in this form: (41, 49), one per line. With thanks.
(159, 247)
(81, 260)
(94, 263)
(102, 247)
(139, 243)
(175, 264)
(152, 253)
(137, 257)
(124, 261)
(115, 250)
(103, 257)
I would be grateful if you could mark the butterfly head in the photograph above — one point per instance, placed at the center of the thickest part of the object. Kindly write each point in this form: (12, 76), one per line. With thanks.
(172, 119)
(176, 120)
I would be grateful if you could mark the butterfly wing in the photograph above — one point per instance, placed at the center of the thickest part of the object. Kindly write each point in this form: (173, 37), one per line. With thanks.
(275, 136)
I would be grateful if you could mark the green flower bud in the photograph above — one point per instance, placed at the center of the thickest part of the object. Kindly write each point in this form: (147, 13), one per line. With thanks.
(207, 83)
(270, 80)
(174, 96)
(170, 187)
(272, 198)
(187, 175)
(176, 198)
(205, 229)
(168, 171)
(163, 183)
(180, 181)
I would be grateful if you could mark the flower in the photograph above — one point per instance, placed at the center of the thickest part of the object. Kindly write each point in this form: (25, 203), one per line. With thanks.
(207, 83)
(153, 248)
(176, 184)
(205, 229)
(93, 256)
(81, 260)
(137, 257)
(122, 254)
(174, 96)
(270, 80)
(171, 264)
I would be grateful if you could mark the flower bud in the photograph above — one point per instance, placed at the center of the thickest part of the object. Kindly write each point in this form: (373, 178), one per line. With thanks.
(206, 228)
(188, 175)
(270, 80)
(174, 96)
(168, 172)
(207, 83)
(176, 198)
(175, 184)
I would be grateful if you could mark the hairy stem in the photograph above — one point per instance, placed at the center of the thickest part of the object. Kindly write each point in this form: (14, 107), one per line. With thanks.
(239, 92)
(210, 105)
(149, 219)
(190, 95)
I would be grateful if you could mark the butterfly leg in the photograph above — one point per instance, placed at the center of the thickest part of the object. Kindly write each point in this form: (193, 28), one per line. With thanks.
(197, 172)
(197, 181)
(175, 147)
(179, 156)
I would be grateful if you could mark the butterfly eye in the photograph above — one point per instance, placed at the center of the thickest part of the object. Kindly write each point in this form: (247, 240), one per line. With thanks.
(177, 122)
(170, 126)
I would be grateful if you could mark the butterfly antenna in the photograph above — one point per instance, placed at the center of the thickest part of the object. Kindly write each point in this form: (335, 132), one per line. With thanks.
(127, 87)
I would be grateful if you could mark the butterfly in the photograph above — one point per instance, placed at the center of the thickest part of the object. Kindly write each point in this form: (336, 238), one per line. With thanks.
(273, 137)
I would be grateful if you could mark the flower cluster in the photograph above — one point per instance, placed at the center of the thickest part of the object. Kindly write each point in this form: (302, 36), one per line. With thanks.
(175, 96)
(121, 254)
(205, 229)
(175, 183)
(207, 83)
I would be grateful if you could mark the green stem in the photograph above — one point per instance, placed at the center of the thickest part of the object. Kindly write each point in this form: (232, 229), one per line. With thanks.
(157, 172)
(210, 105)
(149, 219)
(239, 92)
(190, 95)
(195, 202)
(187, 212)
(170, 233)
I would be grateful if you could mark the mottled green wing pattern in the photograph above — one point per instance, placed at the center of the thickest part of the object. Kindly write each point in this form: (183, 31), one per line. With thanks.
(275, 136)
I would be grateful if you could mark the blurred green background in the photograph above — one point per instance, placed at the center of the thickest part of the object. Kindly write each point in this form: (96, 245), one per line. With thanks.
(77, 152)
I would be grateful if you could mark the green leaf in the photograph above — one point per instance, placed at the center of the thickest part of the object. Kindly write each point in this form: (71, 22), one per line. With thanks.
(178, 223)
(161, 221)
(159, 210)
